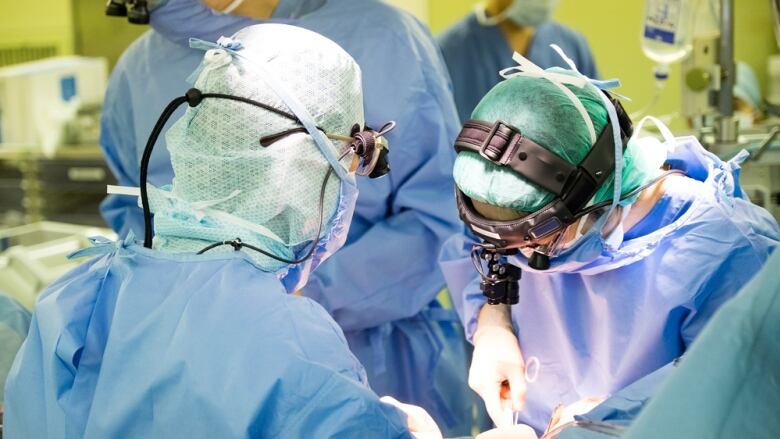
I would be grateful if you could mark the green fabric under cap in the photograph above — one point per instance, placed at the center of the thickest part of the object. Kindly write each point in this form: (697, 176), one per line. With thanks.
(543, 113)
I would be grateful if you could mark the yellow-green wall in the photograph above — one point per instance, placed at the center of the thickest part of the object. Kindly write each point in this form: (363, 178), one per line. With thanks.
(99, 35)
(72, 26)
(613, 27)
(33, 23)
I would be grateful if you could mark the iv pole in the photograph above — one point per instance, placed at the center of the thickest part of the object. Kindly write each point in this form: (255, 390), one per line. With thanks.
(726, 132)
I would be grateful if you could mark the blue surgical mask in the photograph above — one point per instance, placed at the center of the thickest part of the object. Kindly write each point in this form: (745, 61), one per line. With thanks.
(530, 13)
(180, 20)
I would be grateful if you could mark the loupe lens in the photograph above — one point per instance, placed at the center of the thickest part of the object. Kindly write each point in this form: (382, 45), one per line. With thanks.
(115, 8)
(138, 13)
(382, 166)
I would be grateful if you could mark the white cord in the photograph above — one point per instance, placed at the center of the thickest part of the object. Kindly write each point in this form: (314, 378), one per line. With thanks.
(232, 6)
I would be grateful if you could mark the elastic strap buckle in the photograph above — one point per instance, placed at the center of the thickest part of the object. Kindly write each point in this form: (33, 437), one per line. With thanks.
(495, 153)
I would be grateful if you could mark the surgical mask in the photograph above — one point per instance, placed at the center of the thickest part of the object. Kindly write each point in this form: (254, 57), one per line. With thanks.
(600, 232)
(526, 13)
(180, 20)
(589, 238)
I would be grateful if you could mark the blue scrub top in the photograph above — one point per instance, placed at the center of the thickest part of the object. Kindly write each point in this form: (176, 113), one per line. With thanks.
(475, 54)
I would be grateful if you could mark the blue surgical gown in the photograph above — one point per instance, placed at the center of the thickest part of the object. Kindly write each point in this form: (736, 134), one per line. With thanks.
(138, 343)
(381, 286)
(597, 326)
(475, 54)
(728, 383)
(14, 324)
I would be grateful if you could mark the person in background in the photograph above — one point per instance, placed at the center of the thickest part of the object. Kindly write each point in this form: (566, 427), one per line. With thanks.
(748, 104)
(615, 273)
(382, 287)
(480, 45)
(196, 333)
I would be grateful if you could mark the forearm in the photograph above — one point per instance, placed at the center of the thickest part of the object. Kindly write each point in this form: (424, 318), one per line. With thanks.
(493, 317)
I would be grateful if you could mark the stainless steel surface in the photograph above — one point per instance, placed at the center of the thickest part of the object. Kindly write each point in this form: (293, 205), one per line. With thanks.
(765, 144)
(726, 130)
(760, 173)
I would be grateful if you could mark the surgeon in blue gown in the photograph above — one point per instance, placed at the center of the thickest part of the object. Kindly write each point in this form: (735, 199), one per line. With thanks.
(411, 347)
(629, 291)
(480, 45)
(200, 335)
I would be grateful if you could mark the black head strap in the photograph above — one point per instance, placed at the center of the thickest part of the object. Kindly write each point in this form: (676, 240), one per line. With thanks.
(573, 185)
(505, 145)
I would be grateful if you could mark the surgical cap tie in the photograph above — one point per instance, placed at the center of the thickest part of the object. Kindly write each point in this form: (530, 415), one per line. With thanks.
(233, 47)
(613, 118)
(526, 67)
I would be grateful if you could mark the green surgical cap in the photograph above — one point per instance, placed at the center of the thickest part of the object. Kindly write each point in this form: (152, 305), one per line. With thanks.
(543, 113)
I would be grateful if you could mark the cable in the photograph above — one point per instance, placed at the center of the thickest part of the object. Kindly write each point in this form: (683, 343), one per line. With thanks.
(147, 155)
(193, 97)
(636, 191)
(238, 244)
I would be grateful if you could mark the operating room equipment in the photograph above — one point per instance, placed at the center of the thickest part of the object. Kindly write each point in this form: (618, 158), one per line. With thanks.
(66, 186)
(709, 77)
(666, 26)
(773, 88)
(675, 31)
(51, 102)
(666, 30)
(34, 255)
(136, 11)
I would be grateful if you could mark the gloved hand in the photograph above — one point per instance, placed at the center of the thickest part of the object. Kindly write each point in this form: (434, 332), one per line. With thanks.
(497, 370)
(419, 422)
